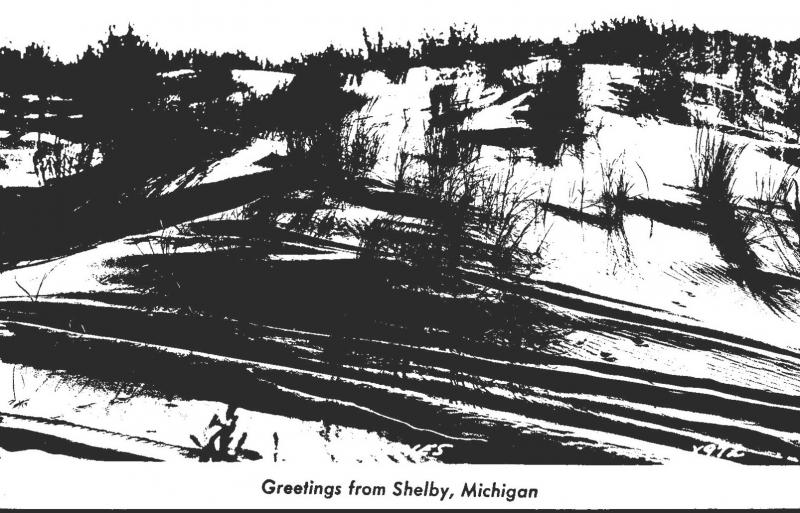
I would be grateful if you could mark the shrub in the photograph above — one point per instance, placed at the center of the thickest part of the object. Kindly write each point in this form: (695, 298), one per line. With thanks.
(336, 152)
(334, 158)
(662, 92)
(556, 113)
(791, 113)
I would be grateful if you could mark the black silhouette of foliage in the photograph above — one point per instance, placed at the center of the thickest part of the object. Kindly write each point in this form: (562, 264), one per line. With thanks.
(450, 159)
(469, 215)
(461, 45)
(786, 196)
(24, 73)
(784, 75)
(117, 101)
(714, 166)
(506, 210)
(393, 59)
(662, 92)
(615, 194)
(747, 55)
(330, 145)
(730, 229)
(450, 181)
(556, 113)
(313, 99)
(496, 56)
(791, 113)
(448, 187)
(118, 77)
(663, 51)
(640, 42)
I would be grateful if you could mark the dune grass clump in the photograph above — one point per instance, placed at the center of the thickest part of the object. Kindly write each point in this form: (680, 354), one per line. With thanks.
(445, 188)
(335, 158)
(791, 205)
(772, 193)
(780, 201)
(507, 209)
(359, 148)
(450, 175)
(616, 192)
(472, 215)
(730, 228)
(402, 159)
(339, 151)
(715, 162)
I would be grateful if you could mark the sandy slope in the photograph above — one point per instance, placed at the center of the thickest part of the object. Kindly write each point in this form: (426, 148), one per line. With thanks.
(653, 362)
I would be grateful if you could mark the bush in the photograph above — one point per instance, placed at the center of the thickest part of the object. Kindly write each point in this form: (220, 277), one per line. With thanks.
(334, 158)
(556, 113)
(791, 113)
(662, 93)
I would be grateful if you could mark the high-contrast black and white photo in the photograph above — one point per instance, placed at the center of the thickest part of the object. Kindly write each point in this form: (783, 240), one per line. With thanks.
(535, 243)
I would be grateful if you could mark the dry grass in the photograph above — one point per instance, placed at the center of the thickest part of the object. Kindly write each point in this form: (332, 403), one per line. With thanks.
(715, 162)
(508, 208)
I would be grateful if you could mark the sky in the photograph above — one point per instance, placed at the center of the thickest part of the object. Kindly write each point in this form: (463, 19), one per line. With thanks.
(279, 30)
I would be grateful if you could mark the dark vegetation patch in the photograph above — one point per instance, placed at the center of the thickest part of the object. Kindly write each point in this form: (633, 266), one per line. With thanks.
(665, 53)
(729, 228)
(734, 230)
(460, 45)
(661, 92)
(556, 113)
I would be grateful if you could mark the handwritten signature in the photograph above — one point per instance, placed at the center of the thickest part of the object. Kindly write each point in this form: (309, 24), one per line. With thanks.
(431, 450)
(720, 451)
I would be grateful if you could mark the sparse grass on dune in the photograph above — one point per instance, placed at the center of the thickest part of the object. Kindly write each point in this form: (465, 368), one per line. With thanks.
(780, 201)
(341, 151)
(508, 208)
(792, 205)
(772, 193)
(616, 192)
(336, 156)
(451, 180)
(360, 146)
(730, 228)
(402, 159)
(471, 216)
(450, 173)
